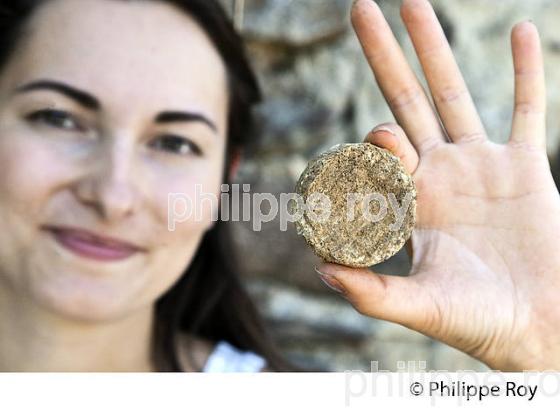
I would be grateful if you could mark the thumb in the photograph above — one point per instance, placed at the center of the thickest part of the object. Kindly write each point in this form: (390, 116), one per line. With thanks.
(397, 299)
(393, 138)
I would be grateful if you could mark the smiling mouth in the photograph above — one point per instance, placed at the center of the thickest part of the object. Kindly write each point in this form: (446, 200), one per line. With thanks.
(92, 246)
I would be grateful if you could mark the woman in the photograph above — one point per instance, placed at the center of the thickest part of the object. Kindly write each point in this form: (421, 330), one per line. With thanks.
(101, 120)
(107, 107)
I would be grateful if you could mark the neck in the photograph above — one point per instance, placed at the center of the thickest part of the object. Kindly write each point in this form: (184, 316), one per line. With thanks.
(32, 339)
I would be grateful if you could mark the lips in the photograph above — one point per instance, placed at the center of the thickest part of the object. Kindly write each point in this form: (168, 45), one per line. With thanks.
(93, 246)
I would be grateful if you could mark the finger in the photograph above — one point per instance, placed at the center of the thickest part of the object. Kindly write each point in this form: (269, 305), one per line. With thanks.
(398, 83)
(397, 299)
(392, 138)
(529, 123)
(447, 86)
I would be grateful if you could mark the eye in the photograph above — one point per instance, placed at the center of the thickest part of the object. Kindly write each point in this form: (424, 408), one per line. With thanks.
(176, 145)
(55, 118)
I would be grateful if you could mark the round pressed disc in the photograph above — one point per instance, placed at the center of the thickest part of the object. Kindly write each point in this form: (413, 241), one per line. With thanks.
(358, 205)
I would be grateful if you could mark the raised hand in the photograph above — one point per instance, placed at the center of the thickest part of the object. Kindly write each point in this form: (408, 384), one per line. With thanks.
(485, 272)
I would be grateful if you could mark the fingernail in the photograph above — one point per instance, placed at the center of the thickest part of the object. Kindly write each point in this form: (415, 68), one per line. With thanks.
(383, 128)
(330, 281)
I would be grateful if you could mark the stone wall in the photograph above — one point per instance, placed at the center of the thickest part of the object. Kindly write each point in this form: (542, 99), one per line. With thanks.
(319, 91)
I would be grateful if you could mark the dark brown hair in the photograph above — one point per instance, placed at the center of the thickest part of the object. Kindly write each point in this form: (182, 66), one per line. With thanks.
(209, 300)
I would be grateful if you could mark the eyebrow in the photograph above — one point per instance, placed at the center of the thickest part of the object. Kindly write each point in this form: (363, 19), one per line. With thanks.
(81, 97)
(179, 116)
(88, 101)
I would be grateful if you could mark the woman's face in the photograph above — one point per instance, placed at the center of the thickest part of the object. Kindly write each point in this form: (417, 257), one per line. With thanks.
(106, 108)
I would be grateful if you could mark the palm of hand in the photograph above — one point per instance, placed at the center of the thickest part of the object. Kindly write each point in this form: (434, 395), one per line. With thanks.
(476, 247)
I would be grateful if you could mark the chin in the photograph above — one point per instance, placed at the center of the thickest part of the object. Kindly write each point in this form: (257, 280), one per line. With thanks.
(85, 299)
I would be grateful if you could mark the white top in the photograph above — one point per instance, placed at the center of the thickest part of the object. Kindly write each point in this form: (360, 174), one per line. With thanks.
(226, 358)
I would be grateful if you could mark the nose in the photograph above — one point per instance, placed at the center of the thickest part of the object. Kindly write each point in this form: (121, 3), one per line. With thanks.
(109, 186)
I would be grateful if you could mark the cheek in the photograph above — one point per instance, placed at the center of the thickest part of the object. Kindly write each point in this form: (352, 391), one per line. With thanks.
(190, 204)
(30, 172)
(188, 199)
(180, 235)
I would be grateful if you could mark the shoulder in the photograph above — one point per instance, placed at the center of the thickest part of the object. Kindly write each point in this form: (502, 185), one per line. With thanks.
(193, 348)
(219, 357)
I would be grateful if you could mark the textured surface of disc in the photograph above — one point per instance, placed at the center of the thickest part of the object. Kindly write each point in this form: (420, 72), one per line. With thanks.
(358, 205)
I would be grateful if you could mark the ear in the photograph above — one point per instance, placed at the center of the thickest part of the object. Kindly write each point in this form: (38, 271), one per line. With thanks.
(236, 158)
